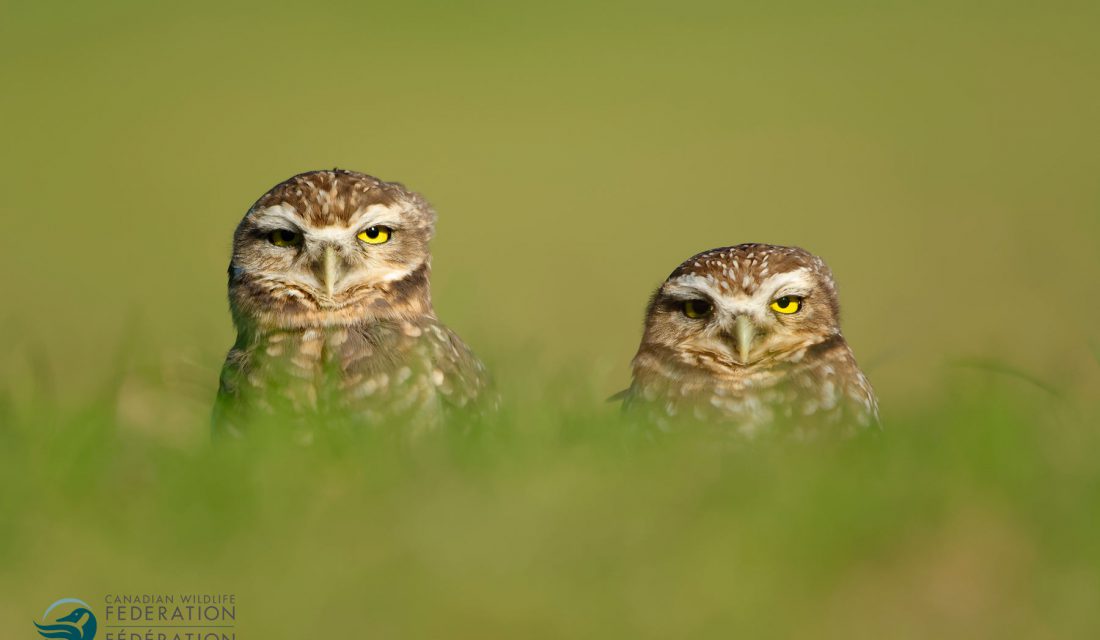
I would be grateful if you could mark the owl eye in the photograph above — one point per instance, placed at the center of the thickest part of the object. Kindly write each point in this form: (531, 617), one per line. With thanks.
(375, 235)
(787, 304)
(697, 308)
(284, 238)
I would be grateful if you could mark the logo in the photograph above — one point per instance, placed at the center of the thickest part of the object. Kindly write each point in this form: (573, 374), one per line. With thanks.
(73, 620)
(143, 616)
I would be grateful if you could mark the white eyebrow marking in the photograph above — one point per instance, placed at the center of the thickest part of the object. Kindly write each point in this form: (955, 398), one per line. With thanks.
(693, 284)
(797, 282)
(268, 217)
(279, 215)
(376, 214)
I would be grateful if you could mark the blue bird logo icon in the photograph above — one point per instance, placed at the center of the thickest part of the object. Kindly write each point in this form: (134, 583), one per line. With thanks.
(78, 624)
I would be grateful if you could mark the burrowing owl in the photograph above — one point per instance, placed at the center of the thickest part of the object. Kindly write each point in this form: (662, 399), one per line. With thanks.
(329, 289)
(749, 337)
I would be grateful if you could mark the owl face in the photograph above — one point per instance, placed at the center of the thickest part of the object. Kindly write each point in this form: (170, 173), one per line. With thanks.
(331, 247)
(736, 307)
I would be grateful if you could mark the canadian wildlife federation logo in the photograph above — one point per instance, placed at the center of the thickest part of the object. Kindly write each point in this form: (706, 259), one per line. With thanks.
(68, 619)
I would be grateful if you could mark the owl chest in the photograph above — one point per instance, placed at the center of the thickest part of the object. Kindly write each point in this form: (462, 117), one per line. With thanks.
(309, 355)
(751, 399)
(774, 394)
(372, 374)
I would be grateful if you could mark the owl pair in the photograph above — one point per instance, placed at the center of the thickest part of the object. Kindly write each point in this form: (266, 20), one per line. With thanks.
(329, 290)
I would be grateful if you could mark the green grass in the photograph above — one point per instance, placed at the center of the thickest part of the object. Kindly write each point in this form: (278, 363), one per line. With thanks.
(974, 516)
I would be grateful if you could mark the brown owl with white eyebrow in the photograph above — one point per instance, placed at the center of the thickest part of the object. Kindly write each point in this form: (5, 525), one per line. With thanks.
(329, 290)
(747, 338)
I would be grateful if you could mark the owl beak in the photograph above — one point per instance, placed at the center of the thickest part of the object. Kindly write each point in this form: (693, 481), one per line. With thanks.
(330, 271)
(744, 333)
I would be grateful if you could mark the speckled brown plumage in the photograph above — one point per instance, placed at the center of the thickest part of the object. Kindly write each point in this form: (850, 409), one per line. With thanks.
(333, 329)
(744, 367)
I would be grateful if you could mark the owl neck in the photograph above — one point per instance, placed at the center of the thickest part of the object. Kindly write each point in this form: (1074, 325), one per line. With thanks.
(674, 365)
(400, 300)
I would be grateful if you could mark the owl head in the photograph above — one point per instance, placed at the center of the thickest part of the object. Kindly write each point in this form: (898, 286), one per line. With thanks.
(331, 247)
(743, 306)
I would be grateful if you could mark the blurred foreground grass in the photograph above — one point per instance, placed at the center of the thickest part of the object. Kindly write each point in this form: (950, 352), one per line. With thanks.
(973, 517)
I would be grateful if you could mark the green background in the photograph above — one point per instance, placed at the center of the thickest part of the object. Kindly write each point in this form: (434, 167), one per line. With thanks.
(942, 157)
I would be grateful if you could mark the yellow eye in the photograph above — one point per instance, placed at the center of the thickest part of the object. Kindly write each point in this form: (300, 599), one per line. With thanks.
(284, 238)
(697, 308)
(787, 304)
(375, 235)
